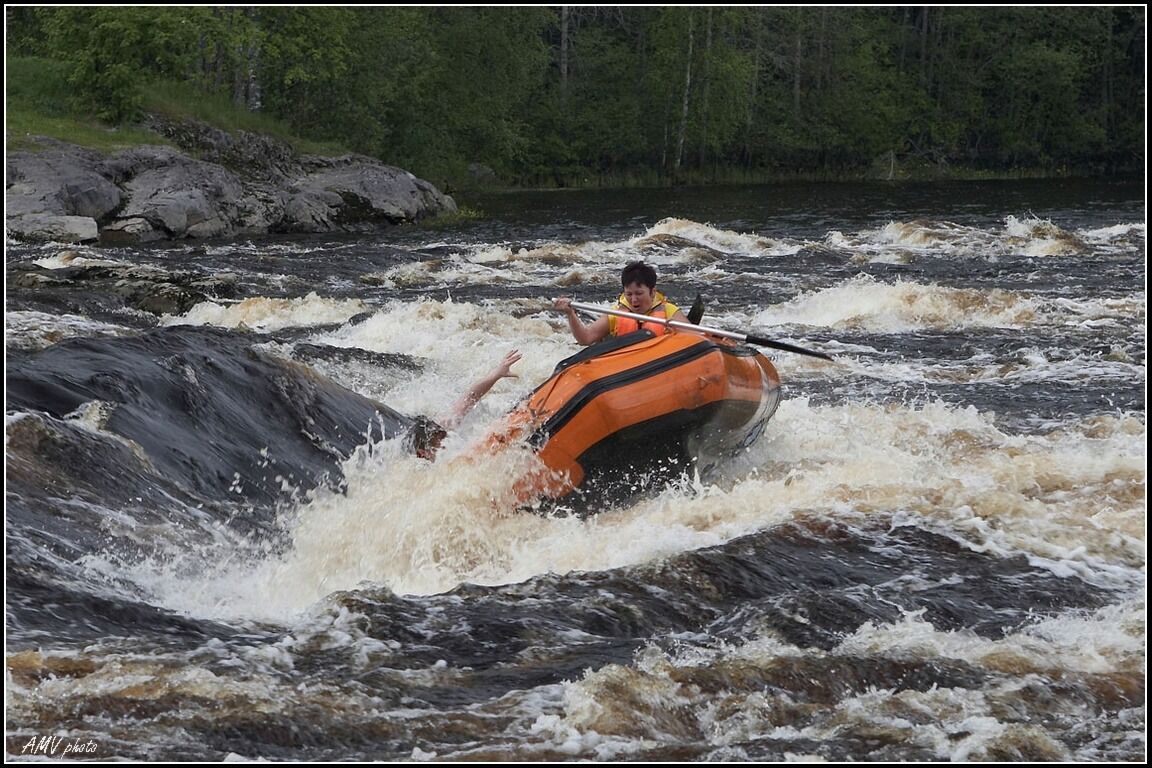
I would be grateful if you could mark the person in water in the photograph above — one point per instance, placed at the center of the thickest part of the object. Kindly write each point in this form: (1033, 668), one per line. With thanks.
(639, 297)
(425, 435)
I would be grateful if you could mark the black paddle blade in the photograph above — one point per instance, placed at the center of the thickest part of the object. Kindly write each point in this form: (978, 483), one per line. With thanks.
(697, 310)
(763, 342)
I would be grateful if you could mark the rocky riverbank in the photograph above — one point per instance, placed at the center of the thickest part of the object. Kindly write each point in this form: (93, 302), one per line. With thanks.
(212, 184)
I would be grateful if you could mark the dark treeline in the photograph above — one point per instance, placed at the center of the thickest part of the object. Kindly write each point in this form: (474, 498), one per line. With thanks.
(582, 94)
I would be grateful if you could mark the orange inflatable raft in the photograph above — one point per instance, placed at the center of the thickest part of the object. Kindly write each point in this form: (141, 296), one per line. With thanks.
(628, 412)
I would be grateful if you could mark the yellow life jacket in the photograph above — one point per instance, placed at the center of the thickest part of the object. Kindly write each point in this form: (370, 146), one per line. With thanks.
(661, 308)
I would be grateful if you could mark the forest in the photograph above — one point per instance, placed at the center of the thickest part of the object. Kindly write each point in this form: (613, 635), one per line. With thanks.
(588, 95)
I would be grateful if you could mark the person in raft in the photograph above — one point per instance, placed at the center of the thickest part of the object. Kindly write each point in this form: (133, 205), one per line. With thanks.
(425, 435)
(639, 297)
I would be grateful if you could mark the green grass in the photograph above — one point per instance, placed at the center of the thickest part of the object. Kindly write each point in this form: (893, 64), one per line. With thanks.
(23, 125)
(183, 100)
(464, 215)
(39, 102)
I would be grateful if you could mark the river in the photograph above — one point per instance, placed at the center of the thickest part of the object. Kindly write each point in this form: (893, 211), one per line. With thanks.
(936, 552)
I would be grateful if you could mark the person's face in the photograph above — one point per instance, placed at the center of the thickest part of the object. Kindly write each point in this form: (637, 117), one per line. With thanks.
(639, 297)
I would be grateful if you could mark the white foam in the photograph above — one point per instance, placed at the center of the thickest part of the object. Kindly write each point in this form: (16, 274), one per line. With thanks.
(708, 236)
(269, 314)
(1040, 237)
(1121, 232)
(75, 258)
(1072, 501)
(864, 303)
(26, 329)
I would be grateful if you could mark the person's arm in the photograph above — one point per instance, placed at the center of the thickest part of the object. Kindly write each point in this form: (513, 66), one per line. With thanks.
(584, 334)
(678, 317)
(466, 403)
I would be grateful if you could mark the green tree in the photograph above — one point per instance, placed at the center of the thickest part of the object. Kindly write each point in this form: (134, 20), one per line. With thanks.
(489, 68)
(576, 92)
(304, 62)
(112, 50)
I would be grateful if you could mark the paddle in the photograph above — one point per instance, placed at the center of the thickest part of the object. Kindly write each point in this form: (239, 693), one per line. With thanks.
(747, 338)
(696, 314)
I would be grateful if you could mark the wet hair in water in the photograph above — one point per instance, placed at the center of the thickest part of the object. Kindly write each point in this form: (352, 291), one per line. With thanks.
(638, 272)
(423, 437)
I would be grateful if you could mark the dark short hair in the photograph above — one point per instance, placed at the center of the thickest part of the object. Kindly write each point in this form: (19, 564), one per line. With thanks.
(423, 437)
(638, 272)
